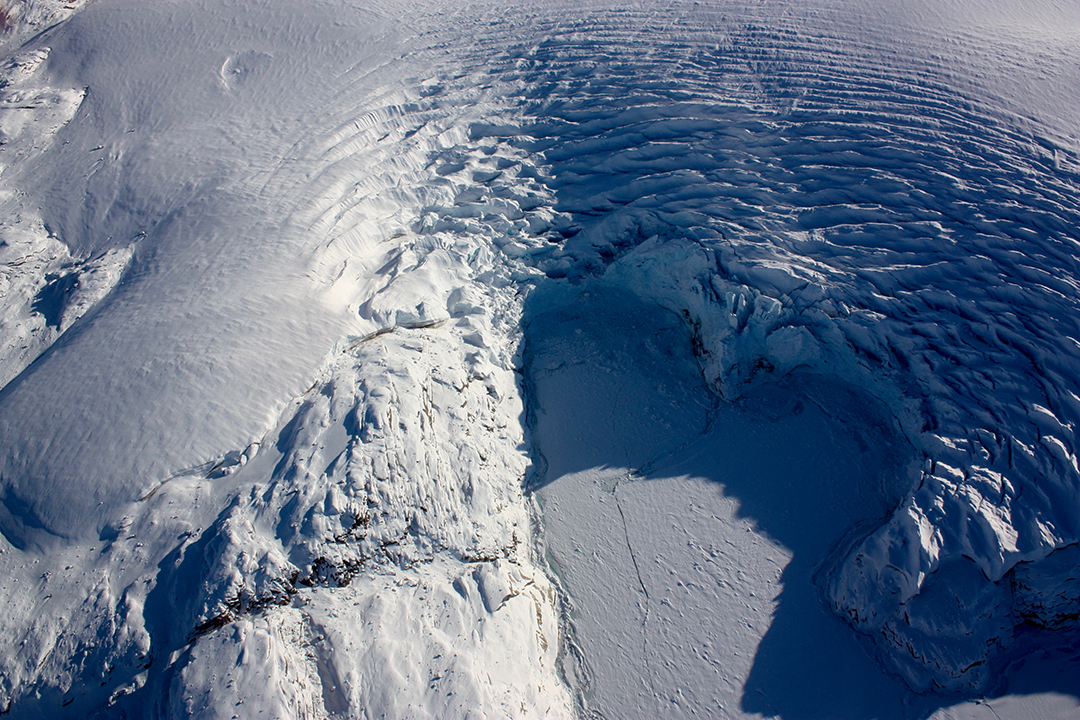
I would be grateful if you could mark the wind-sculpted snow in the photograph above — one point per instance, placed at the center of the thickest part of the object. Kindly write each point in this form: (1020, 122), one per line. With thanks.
(273, 264)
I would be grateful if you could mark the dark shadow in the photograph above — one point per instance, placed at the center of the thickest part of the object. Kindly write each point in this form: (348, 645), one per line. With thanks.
(53, 298)
(172, 610)
(613, 382)
(589, 334)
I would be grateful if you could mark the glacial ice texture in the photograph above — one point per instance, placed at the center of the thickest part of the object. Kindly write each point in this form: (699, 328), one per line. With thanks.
(269, 269)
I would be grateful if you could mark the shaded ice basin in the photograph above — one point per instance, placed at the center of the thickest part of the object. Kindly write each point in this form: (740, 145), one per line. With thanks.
(687, 532)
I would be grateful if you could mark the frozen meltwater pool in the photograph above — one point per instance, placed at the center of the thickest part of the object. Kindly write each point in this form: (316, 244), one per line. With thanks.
(687, 532)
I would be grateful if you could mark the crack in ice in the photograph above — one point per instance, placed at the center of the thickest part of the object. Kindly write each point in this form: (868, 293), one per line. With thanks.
(641, 584)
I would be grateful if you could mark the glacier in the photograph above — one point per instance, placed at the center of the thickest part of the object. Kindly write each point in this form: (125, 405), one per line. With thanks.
(416, 359)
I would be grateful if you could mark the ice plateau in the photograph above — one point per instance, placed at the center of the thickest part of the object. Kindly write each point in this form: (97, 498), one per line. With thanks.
(474, 359)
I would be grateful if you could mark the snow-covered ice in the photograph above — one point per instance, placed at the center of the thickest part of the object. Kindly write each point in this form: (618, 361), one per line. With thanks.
(411, 359)
(699, 525)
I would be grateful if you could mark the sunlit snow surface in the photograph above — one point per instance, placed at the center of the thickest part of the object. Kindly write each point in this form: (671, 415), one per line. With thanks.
(405, 360)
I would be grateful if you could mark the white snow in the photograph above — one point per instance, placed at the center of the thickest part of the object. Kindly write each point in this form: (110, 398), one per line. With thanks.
(412, 359)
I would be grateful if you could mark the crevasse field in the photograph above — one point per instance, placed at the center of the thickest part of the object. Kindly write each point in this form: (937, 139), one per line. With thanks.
(478, 360)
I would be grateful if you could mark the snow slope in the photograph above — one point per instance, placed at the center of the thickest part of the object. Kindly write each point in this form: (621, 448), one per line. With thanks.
(272, 273)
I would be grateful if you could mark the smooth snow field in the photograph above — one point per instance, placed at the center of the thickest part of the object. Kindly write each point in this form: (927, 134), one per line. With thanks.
(482, 360)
